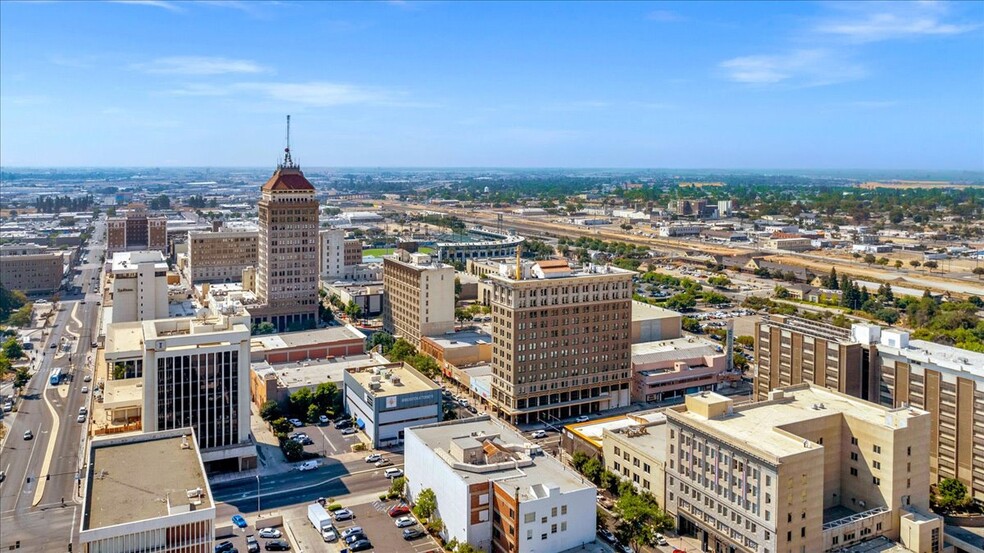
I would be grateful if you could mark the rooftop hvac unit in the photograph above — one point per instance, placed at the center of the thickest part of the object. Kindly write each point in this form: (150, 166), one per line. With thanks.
(395, 379)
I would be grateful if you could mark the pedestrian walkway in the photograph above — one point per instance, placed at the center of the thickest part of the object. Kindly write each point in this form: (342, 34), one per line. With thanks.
(270, 459)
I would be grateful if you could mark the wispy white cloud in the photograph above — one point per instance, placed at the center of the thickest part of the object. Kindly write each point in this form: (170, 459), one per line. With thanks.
(24, 100)
(665, 16)
(877, 21)
(313, 94)
(198, 65)
(163, 4)
(816, 67)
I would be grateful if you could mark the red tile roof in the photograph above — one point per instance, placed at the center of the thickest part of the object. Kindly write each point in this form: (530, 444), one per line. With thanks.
(286, 178)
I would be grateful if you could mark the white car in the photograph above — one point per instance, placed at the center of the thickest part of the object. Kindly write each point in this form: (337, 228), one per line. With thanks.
(539, 434)
(582, 418)
(85, 389)
(661, 540)
(373, 457)
(403, 522)
(270, 533)
(307, 465)
(81, 418)
(295, 422)
(393, 473)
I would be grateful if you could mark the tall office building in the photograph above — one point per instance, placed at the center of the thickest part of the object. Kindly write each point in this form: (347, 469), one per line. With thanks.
(287, 279)
(949, 383)
(419, 298)
(561, 339)
(809, 469)
(138, 285)
(331, 253)
(136, 231)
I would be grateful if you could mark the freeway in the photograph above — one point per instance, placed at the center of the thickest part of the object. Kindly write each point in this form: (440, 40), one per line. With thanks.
(38, 506)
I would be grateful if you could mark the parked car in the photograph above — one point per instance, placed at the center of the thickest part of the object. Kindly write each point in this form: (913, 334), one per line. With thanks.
(224, 546)
(582, 418)
(607, 535)
(373, 457)
(239, 521)
(412, 533)
(252, 546)
(399, 510)
(85, 389)
(361, 545)
(383, 463)
(87, 378)
(277, 545)
(356, 537)
(344, 514)
(404, 522)
(539, 434)
(344, 423)
(623, 548)
(348, 431)
(661, 540)
(393, 473)
(3, 475)
(295, 422)
(80, 418)
(323, 419)
(270, 533)
(352, 530)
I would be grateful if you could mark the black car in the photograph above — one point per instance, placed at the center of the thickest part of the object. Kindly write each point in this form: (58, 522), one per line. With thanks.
(356, 537)
(224, 547)
(277, 545)
(412, 533)
(360, 545)
(347, 423)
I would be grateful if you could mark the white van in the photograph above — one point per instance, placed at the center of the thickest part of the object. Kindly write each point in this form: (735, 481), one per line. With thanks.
(307, 465)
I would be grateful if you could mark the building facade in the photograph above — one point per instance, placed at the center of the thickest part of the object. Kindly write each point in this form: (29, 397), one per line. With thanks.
(352, 252)
(419, 296)
(949, 383)
(387, 399)
(176, 514)
(287, 272)
(638, 454)
(331, 253)
(138, 287)
(221, 256)
(31, 268)
(561, 339)
(809, 469)
(136, 231)
(496, 494)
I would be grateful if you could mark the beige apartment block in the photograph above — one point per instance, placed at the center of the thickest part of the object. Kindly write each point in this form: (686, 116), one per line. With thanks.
(221, 256)
(949, 383)
(419, 296)
(809, 469)
(352, 252)
(31, 268)
(561, 338)
(287, 274)
(637, 453)
(790, 350)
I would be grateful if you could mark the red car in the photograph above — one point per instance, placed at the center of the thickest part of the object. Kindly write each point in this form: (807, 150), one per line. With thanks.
(399, 510)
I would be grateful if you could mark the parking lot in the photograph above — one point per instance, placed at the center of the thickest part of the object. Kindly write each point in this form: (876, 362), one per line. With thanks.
(377, 525)
(237, 536)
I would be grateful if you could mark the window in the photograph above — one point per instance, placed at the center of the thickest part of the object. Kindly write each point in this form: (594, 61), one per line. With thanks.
(553, 528)
(543, 536)
(618, 451)
(854, 441)
(876, 465)
(529, 534)
(854, 471)
(854, 455)
(789, 535)
(876, 448)
(529, 518)
(563, 526)
(563, 509)
(803, 531)
(875, 480)
(553, 512)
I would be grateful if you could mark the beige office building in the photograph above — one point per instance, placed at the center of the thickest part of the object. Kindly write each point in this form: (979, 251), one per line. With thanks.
(419, 296)
(138, 287)
(949, 383)
(561, 338)
(30, 268)
(807, 470)
(637, 453)
(287, 274)
(221, 256)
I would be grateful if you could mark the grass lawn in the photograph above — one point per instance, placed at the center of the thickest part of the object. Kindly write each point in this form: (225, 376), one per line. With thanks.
(376, 252)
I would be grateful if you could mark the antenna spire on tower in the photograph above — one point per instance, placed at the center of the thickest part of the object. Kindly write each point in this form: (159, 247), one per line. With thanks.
(288, 162)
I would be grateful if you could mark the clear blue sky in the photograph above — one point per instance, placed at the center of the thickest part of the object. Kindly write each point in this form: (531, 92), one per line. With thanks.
(771, 85)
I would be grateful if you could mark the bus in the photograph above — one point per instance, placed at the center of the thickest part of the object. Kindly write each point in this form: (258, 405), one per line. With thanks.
(55, 376)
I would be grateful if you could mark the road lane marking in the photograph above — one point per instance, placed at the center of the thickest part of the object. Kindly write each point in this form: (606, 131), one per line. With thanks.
(52, 438)
(304, 487)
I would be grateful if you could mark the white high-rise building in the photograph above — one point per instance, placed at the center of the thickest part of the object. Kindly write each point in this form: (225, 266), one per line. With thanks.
(139, 286)
(331, 253)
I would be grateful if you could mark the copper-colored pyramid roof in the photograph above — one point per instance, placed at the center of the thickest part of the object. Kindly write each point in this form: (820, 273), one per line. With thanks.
(287, 178)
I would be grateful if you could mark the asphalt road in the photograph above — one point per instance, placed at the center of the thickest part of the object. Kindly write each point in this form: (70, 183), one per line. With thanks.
(37, 499)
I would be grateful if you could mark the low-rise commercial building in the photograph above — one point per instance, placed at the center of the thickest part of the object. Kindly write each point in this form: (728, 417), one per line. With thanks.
(270, 382)
(637, 453)
(147, 492)
(589, 437)
(651, 323)
(670, 369)
(387, 399)
(809, 469)
(367, 295)
(321, 343)
(460, 349)
(497, 492)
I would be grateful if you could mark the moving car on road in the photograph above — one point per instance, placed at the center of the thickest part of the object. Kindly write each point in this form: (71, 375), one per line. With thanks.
(373, 457)
(307, 465)
(582, 418)
(28, 435)
(539, 434)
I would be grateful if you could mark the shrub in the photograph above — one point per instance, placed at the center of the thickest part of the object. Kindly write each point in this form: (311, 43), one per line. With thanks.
(334, 506)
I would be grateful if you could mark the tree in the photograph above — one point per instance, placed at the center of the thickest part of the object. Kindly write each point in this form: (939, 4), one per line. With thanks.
(746, 340)
(720, 281)
(425, 364)
(715, 298)
(353, 310)
(780, 292)
(883, 261)
(313, 413)
(740, 361)
(640, 518)
(593, 469)
(979, 271)
(898, 264)
(869, 258)
(21, 378)
(21, 317)
(264, 328)
(931, 265)
(397, 485)
(281, 426)
(915, 264)
(401, 350)
(5, 365)
(426, 503)
(832, 282)
(299, 402)
(12, 349)
(951, 494)
(691, 325)
(10, 301)
(381, 338)
(325, 397)
(293, 450)
(270, 411)
(465, 547)
(578, 460)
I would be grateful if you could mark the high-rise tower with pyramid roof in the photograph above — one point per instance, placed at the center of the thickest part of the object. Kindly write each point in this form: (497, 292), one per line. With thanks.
(287, 276)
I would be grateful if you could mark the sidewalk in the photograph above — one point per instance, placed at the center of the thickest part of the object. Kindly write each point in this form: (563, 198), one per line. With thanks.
(270, 459)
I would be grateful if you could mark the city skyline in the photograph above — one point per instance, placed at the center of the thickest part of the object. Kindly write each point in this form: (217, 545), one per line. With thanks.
(664, 85)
